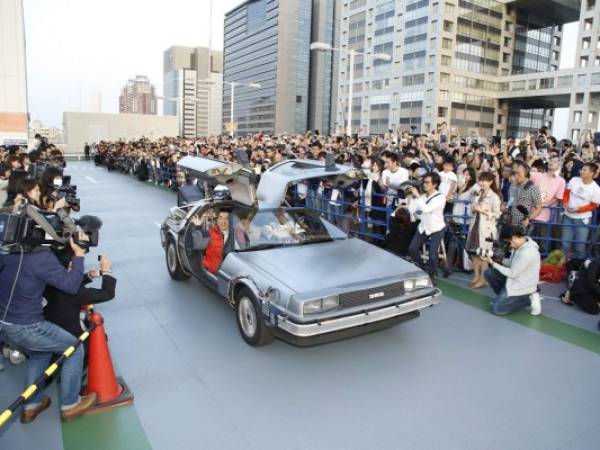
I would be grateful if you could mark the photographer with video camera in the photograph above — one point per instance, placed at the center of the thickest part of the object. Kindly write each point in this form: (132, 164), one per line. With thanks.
(515, 281)
(23, 278)
(429, 208)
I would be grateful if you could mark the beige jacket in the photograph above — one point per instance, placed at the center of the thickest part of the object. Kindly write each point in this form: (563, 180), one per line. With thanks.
(490, 207)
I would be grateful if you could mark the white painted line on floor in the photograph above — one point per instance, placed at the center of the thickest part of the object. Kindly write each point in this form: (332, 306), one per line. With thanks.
(157, 224)
(91, 179)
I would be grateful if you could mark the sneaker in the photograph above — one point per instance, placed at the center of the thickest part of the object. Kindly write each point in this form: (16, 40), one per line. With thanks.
(16, 357)
(86, 402)
(536, 304)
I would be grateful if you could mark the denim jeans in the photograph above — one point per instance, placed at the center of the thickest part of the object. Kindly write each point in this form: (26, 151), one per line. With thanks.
(418, 240)
(571, 229)
(40, 341)
(503, 304)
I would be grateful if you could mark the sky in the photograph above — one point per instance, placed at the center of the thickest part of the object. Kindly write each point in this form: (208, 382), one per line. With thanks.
(76, 48)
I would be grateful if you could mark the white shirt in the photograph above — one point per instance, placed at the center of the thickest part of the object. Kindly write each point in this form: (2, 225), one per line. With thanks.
(447, 179)
(582, 194)
(395, 178)
(430, 209)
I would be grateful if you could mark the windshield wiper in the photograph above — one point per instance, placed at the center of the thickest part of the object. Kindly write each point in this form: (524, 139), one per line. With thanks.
(317, 241)
(263, 247)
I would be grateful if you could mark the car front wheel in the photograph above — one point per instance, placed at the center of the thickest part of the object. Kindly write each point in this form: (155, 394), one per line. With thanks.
(250, 321)
(173, 264)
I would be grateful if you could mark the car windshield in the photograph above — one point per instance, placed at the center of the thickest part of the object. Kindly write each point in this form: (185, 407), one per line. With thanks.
(282, 228)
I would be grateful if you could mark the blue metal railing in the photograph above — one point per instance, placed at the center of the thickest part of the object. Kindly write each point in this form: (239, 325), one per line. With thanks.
(351, 212)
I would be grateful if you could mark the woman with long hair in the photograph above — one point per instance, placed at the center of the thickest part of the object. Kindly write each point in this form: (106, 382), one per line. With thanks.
(467, 190)
(483, 230)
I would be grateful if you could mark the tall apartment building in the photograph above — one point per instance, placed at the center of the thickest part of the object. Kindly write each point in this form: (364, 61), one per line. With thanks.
(267, 42)
(483, 66)
(138, 96)
(14, 116)
(193, 89)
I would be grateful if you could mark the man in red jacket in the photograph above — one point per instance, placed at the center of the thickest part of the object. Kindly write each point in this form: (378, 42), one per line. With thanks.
(218, 237)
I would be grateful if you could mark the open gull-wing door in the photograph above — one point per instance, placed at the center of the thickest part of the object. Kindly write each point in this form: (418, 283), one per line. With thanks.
(275, 181)
(236, 177)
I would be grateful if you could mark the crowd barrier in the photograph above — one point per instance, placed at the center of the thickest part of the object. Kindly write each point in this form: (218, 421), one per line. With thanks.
(351, 212)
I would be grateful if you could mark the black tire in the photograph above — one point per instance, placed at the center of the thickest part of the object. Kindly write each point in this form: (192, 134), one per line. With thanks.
(173, 264)
(250, 320)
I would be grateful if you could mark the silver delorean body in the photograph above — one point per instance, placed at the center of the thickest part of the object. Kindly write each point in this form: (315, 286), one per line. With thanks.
(295, 275)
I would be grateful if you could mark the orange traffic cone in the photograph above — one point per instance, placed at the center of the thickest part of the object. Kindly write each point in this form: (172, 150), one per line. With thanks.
(111, 391)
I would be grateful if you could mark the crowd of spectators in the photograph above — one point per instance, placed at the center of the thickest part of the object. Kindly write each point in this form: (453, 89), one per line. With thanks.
(550, 187)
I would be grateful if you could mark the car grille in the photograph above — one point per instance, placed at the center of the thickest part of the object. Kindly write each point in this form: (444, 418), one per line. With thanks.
(376, 294)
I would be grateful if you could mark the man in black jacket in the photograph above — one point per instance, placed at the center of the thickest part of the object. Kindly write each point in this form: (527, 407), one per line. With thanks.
(585, 291)
(64, 309)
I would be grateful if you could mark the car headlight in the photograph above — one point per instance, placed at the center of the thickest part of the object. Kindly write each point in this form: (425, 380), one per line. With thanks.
(423, 282)
(416, 283)
(312, 307)
(321, 304)
(331, 302)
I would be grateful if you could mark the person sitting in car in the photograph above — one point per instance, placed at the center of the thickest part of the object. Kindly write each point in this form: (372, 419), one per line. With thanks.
(217, 244)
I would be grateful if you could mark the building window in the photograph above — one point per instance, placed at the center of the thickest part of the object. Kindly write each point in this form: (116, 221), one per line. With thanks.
(298, 99)
(446, 60)
(587, 24)
(583, 62)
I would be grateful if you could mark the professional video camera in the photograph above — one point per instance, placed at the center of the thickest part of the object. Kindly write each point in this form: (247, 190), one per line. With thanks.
(497, 253)
(30, 228)
(404, 189)
(69, 193)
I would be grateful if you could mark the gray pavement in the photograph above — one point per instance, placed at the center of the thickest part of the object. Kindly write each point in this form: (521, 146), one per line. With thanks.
(455, 378)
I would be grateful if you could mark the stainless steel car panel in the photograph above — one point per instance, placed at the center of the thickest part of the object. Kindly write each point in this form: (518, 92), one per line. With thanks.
(275, 181)
(356, 320)
(315, 267)
(237, 178)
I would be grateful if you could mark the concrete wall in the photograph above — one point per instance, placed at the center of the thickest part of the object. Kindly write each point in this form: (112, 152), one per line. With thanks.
(13, 73)
(80, 127)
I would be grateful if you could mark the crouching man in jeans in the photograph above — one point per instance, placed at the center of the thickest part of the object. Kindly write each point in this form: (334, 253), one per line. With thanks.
(516, 283)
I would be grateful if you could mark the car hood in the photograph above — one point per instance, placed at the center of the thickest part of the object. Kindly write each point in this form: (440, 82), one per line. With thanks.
(327, 265)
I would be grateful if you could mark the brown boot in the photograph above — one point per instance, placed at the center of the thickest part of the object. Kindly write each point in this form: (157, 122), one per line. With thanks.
(86, 402)
(29, 415)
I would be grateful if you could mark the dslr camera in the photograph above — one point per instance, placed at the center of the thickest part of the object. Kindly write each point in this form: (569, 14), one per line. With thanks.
(497, 253)
(404, 190)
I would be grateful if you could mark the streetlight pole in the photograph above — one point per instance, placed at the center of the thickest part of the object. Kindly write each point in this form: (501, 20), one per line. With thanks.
(231, 109)
(350, 93)
(232, 85)
(324, 46)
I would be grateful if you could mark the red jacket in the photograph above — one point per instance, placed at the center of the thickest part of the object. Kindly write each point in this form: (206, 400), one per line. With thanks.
(213, 255)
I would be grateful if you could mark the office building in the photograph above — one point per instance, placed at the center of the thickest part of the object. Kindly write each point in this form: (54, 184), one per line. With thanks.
(267, 42)
(192, 89)
(138, 96)
(481, 66)
(14, 116)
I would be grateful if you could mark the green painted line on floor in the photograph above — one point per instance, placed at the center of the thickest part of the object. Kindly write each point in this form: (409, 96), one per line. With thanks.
(115, 429)
(547, 325)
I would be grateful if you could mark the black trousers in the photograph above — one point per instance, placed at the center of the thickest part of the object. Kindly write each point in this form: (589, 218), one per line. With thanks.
(418, 240)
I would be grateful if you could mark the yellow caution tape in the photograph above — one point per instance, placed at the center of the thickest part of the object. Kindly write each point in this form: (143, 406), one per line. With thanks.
(68, 352)
(50, 370)
(5, 416)
(29, 391)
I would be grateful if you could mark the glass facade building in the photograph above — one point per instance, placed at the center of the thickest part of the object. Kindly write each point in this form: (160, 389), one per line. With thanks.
(451, 62)
(268, 42)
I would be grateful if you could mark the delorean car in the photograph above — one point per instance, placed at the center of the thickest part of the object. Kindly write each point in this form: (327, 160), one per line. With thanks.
(286, 271)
